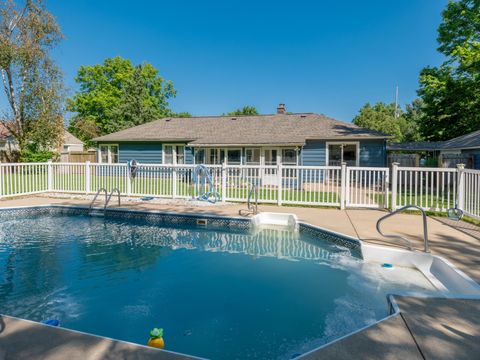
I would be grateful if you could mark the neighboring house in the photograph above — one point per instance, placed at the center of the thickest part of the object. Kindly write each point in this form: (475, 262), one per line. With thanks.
(71, 143)
(463, 149)
(9, 145)
(468, 145)
(289, 139)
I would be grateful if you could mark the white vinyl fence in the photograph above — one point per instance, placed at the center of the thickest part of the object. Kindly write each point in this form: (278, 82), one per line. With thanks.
(469, 200)
(433, 189)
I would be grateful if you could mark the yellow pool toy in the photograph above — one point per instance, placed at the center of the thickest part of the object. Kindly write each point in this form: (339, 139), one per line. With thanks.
(156, 338)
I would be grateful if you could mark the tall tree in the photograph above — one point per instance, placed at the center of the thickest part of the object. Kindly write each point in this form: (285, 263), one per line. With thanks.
(451, 92)
(381, 117)
(413, 118)
(31, 80)
(116, 95)
(246, 110)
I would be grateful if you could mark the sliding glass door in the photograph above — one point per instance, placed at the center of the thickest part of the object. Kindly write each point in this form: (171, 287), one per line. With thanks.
(342, 152)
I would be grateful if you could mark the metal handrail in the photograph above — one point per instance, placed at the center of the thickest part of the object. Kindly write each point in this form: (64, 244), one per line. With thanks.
(253, 207)
(110, 196)
(393, 236)
(95, 197)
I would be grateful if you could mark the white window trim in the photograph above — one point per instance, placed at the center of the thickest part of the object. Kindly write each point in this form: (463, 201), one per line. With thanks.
(174, 153)
(195, 155)
(109, 153)
(236, 148)
(279, 154)
(356, 143)
(259, 156)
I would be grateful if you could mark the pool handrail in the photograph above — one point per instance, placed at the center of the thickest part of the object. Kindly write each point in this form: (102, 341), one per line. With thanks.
(95, 198)
(253, 207)
(393, 236)
(110, 196)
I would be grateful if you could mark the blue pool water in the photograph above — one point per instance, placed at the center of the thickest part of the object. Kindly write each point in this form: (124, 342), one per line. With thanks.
(222, 294)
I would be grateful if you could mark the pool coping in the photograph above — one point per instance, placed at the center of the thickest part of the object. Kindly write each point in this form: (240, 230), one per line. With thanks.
(349, 241)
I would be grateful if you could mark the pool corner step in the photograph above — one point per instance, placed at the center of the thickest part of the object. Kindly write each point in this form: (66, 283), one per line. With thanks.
(275, 219)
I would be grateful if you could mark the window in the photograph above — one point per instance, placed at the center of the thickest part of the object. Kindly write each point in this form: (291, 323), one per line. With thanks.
(108, 154)
(174, 154)
(289, 157)
(346, 152)
(270, 157)
(199, 156)
(252, 156)
(180, 154)
(212, 157)
(234, 156)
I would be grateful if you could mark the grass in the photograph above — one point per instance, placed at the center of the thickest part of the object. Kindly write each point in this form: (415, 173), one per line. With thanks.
(37, 181)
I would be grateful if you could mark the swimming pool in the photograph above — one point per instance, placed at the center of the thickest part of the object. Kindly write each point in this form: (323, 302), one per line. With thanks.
(221, 291)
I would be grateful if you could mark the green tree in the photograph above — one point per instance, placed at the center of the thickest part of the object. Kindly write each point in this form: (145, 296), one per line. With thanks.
(31, 80)
(451, 92)
(413, 117)
(246, 110)
(381, 117)
(116, 95)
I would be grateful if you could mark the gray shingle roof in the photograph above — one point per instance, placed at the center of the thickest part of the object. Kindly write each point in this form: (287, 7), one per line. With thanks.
(243, 130)
(70, 139)
(471, 140)
(468, 141)
(416, 146)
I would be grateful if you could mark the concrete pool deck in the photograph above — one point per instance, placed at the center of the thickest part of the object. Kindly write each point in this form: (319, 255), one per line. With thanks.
(424, 329)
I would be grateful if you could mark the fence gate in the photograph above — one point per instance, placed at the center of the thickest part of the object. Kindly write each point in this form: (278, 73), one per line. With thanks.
(367, 187)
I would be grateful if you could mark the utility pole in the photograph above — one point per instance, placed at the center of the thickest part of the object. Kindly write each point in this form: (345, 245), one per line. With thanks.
(396, 101)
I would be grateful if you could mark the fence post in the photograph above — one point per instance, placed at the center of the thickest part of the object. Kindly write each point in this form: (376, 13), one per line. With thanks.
(386, 189)
(279, 184)
(129, 181)
(461, 186)
(49, 176)
(174, 180)
(1, 180)
(394, 184)
(343, 185)
(224, 181)
(87, 177)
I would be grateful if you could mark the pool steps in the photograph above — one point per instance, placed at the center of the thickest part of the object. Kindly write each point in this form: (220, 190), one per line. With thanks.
(276, 219)
(439, 271)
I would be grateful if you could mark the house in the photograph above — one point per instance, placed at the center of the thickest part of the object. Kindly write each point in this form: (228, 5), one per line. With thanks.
(464, 149)
(281, 138)
(464, 146)
(9, 145)
(71, 143)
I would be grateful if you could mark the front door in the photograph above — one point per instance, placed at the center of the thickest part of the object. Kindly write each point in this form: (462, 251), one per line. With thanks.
(270, 174)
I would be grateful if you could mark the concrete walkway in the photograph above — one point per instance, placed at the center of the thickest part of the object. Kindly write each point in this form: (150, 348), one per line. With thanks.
(22, 339)
(425, 329)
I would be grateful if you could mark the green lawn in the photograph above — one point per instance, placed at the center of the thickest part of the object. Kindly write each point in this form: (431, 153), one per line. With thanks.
(22, 182)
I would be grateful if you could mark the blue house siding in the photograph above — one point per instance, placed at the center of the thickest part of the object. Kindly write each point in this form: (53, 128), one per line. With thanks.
(476, 156)
(188, 155)
(313, 153)
(146, 153)
(373, 153)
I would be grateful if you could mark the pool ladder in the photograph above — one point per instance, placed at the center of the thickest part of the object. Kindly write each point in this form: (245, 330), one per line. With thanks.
(252, 208)
(393, 236)
(91, 211)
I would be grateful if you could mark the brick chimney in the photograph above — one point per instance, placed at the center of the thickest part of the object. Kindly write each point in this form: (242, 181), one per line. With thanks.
(281, 109)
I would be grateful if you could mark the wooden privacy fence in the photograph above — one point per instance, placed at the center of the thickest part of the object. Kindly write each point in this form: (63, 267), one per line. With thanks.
(433, 189)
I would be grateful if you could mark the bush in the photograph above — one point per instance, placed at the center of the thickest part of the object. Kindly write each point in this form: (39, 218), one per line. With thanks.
(30, 154)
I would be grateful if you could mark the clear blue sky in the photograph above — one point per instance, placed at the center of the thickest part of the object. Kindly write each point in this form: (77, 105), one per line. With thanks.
(328, 57)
